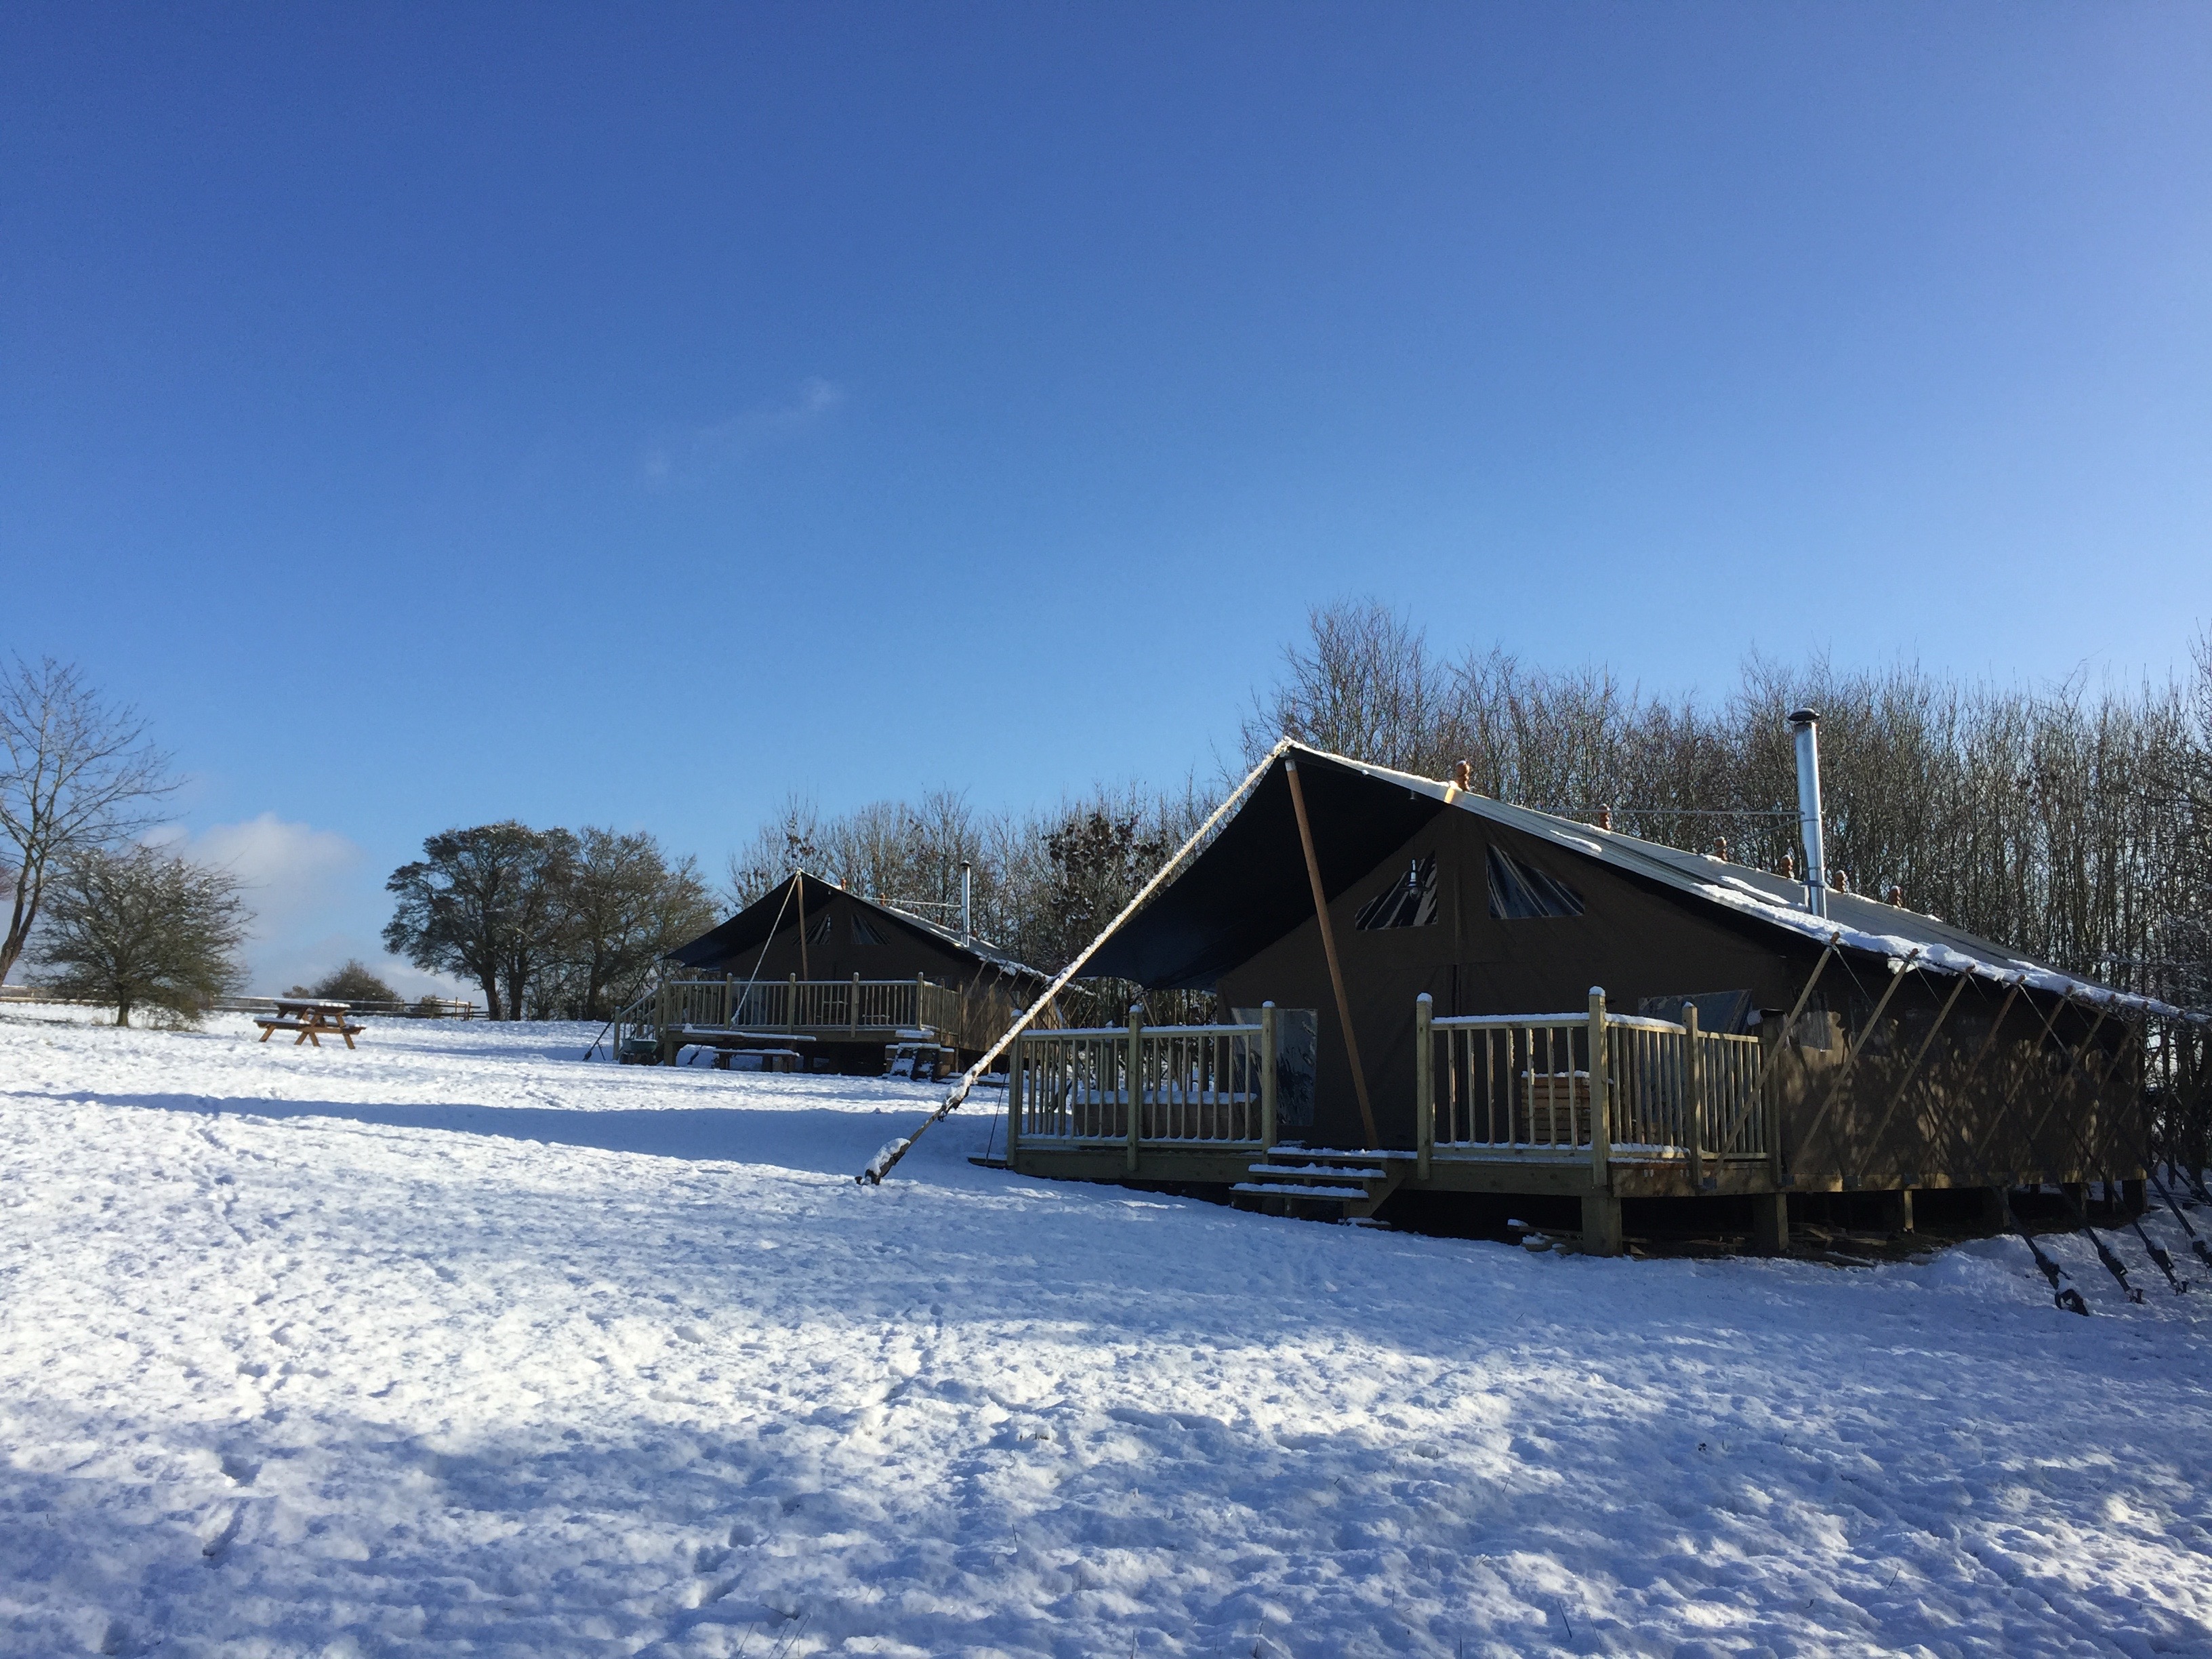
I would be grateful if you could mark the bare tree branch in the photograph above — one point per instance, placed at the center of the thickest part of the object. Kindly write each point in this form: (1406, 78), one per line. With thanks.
(77, 773)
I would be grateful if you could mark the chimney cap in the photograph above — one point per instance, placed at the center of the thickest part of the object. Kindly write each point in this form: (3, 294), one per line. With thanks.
(1804, 717)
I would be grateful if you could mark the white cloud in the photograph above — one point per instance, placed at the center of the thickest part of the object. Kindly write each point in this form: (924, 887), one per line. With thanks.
(314, 899)
(291, 871)
(706, 449)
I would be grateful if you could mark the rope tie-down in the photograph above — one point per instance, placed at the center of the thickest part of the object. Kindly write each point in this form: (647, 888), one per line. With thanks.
(881, 1164)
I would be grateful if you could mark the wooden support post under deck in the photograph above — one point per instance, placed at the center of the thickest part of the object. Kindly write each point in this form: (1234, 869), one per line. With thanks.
(1994, 1209)
(1424, 1084)
(1328, 951)
(1770, 1223)
(1602, 1234)
(1268, 1026)
(1600, 1123)
(1132, 1088)
(1013, 1095)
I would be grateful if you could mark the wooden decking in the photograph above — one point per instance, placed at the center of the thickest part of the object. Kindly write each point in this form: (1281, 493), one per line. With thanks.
(1592, 1106)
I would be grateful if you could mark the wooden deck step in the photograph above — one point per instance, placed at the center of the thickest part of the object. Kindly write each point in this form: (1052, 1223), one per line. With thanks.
(1320, 1185)
(1349, 1194)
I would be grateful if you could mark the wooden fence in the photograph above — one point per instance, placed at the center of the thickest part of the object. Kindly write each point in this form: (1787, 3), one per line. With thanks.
(420, 1008)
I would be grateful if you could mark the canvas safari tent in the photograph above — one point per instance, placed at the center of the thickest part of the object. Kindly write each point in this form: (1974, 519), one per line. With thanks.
(837, 976)
(1748, 1049)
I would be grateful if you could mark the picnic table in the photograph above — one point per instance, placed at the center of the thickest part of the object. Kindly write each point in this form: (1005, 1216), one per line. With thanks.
(778, 1051)
(313, 1018)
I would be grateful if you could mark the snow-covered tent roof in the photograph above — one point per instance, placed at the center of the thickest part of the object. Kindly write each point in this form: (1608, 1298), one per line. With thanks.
(1249, 888)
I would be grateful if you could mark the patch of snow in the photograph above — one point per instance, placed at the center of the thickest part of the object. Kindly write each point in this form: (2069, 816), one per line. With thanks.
(458, 1345)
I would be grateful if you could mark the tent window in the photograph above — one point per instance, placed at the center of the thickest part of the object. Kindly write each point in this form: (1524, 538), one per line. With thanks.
(1409, 901)
(1518, 891)
(863, 932)
(820, 931)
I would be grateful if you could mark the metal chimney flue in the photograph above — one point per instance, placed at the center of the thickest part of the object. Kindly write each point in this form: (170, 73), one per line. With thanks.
(1804, 726)
(967, 912)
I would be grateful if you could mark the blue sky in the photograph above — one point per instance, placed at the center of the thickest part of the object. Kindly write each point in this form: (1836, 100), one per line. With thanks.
(431, 415)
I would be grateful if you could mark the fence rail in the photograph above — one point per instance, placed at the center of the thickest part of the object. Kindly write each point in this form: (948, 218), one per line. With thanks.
(1171, 1086)
(418, 1008)
(1521, 1086)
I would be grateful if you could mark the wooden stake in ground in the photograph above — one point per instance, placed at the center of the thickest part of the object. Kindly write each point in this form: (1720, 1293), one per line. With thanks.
(1328, 949)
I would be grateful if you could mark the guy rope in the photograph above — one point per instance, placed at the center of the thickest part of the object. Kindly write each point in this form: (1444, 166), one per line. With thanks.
(880, 1165)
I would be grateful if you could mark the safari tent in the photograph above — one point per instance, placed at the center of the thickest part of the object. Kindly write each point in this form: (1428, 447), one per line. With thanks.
(839, 975)
(1459, 962)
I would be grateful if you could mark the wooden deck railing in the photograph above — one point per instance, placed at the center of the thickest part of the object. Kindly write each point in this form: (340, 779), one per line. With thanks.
(1192, 1086)
(1521, 1086)
(820, 1006)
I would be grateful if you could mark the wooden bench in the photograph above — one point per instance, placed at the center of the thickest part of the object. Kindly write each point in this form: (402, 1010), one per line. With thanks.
(313, 1018)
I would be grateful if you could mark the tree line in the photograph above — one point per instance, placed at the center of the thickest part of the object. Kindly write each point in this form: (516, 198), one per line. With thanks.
(1042, 883)
(2071, 821)
(550, 923)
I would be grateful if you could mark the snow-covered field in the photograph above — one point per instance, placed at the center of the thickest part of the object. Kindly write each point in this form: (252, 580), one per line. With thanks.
(458, 1345)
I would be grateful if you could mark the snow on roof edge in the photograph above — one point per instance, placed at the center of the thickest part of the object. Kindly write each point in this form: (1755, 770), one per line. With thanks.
(974, 945)
(1746, 899)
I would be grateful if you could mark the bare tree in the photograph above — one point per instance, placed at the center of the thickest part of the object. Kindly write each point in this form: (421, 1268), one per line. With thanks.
(1362, 682)
(143, 928)
(2073, 821)
(626, 905)
(77, 773)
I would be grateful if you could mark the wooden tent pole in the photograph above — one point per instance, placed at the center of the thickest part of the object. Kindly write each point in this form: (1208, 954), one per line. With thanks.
(2074, 1055)
(1851, 1054)
(1796, 1008)
(1987, 1139)
(2073, 1067)
(1912, 1071)
(1328, 949)
(800, 877)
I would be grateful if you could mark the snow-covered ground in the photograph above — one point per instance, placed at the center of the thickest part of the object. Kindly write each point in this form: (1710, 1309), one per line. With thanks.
(458, 1344)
